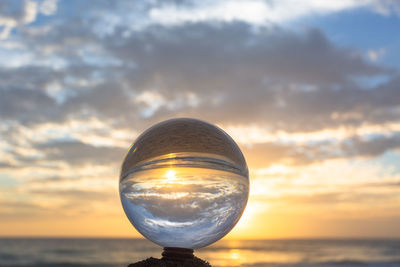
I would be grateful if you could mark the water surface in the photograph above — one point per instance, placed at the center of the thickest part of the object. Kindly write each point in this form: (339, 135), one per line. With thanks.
(121, 252)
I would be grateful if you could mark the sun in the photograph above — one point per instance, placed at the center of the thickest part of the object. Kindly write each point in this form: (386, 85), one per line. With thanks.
(170, 175)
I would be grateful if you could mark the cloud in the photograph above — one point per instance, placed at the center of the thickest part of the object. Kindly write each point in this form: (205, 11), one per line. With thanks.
(48, 202)
(48, 7)
(26, 105)
(266, 154)
(15, 13)
(375, 55)
(140, 15)
(253, 11)
(236, 49)
(373, 147)
(5, 165)
(74, 195)
(240, 74)
(228, 73)
(334, 199)
(394, 184)
(18, 13)
(11, 210)
(386, 7)
(78, 153)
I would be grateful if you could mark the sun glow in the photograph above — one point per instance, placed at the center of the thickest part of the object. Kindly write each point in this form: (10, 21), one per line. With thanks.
(170, 175)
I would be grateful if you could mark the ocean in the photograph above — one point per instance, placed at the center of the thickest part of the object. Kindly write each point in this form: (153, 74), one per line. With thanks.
(255, 253)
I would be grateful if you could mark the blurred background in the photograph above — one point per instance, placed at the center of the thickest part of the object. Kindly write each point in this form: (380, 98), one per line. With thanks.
(308, 89)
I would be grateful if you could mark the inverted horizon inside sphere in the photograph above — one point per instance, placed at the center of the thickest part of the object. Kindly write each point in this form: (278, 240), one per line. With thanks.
(184, 183)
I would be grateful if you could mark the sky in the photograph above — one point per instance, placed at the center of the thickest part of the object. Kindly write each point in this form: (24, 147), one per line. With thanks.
(310, 91)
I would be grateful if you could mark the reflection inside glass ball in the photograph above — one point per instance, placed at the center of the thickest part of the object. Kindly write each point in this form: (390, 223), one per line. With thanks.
(189, 198)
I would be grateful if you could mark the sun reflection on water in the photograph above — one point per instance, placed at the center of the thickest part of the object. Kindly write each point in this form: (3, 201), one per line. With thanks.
(234, 254)
(239, 253)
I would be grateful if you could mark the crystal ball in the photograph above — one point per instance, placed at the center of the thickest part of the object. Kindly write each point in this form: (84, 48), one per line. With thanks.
(184, 183)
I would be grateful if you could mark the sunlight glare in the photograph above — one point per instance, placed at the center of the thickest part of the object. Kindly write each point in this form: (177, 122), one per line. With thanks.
(234, 254)
(170, 175)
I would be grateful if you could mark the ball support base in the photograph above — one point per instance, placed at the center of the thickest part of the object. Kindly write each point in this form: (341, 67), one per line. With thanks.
(177, 254)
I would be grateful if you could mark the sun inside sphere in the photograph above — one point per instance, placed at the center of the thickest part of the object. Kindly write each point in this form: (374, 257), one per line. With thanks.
(184, 183)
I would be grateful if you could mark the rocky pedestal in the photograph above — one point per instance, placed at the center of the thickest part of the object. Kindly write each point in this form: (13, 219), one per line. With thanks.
(173, 257)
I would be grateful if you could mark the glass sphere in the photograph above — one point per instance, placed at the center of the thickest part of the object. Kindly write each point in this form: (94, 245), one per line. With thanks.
(184, 183)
